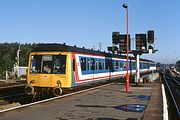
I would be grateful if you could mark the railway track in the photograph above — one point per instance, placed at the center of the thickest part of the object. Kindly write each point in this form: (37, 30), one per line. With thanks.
(173, 93)
(177, 80)
(13, 100)
(12, 96)
(27, 101)
(19, 97)
(5, 84)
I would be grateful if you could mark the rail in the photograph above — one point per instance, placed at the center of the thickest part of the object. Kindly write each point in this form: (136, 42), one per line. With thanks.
(169, 81)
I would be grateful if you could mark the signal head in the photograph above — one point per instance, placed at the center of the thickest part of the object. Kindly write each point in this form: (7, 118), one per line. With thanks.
(150, 37)
(115, 37)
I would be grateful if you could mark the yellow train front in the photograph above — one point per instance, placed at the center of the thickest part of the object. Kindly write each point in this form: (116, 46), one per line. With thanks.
(49, 72)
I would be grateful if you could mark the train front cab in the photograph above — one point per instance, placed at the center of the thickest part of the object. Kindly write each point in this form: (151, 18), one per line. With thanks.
(49, 72)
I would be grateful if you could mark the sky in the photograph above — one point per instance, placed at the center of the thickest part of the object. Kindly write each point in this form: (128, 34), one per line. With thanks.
(90, 22)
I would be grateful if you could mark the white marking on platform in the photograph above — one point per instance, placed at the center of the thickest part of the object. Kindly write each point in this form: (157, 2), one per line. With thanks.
(165, 110)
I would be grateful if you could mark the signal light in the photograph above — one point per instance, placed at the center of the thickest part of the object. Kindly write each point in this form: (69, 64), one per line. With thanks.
(123, 42)
(115, 37)
(150, 37)
(141, 41)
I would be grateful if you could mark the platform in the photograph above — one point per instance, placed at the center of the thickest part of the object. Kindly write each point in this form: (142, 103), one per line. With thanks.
(107, 103)
(154, 110)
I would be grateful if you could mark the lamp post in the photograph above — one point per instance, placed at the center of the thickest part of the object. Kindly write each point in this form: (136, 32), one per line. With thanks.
(127, 48)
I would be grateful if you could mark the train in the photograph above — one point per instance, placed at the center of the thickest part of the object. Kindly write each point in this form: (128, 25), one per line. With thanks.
(54, 68)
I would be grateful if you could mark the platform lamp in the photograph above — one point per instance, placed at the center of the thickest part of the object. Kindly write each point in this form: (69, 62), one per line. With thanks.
(127, 49)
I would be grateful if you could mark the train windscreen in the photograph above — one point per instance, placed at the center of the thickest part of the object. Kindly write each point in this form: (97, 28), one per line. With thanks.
(48, 64)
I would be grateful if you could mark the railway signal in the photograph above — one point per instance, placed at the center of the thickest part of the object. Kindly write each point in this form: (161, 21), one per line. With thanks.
(123, 43)
(150, 36)
(141, 42)
(115, 38)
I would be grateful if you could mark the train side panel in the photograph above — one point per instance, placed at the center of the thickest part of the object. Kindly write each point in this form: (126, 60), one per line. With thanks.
(84, 74)
(89, 74)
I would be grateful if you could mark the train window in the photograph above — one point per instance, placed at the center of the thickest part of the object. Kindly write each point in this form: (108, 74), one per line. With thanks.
(83, 64)
(92, 64)
(116, 64)
(145, 66)
(47, 67)
(59, 66)
(49, 64)
(100, 64)
(141, 65)
(36, 64)
(113, 64)
(88, 64)
(124, 64)
(133, 65)
(106, 64)
(121, 64)
(103, 64)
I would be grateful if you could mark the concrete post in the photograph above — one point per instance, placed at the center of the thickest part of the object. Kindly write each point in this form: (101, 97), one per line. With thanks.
(18, 59)
(137, 69)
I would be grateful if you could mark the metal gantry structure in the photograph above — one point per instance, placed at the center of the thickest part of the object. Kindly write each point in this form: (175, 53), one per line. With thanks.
(121, 44)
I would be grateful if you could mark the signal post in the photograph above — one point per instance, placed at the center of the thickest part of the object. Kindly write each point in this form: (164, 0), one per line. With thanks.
(121, 45)
(141, 48)
(144, 45)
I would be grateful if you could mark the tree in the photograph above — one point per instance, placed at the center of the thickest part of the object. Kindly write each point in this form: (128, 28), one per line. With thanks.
(8, 55)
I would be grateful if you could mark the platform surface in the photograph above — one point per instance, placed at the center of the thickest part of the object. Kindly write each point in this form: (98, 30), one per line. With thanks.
(100, 104)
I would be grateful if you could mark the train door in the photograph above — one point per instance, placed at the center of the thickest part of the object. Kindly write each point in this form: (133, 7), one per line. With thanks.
(109, 66)
(46, 70)
(92, 67)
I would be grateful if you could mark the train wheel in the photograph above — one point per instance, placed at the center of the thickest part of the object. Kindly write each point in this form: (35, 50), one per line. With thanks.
(57, 91)
(29, 90)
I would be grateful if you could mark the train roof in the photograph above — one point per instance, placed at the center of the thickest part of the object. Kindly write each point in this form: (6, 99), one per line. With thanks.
(54, 47)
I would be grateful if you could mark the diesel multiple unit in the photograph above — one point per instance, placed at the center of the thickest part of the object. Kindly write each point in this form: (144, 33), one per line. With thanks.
(53, 68)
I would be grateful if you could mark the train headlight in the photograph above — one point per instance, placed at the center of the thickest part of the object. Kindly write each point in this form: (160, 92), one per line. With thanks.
(32, 81)
(59, 83)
